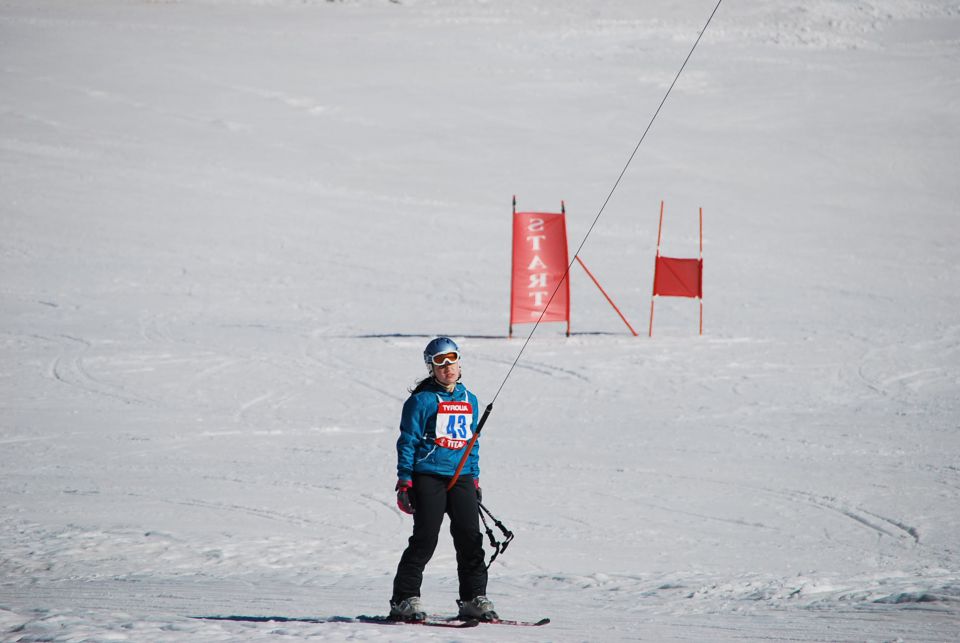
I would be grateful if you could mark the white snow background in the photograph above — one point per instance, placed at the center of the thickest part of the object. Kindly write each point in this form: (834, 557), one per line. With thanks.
(229, 227)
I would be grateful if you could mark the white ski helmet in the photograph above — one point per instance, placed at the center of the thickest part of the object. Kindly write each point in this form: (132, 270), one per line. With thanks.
(440, 346)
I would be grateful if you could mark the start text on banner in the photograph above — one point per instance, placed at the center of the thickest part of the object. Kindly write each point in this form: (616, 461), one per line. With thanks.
(540, 265)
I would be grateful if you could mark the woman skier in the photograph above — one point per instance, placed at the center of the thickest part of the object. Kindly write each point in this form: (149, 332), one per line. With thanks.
(438, 420)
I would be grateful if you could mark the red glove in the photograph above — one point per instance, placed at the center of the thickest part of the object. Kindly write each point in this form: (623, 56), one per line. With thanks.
(404, 501)
(476, 485)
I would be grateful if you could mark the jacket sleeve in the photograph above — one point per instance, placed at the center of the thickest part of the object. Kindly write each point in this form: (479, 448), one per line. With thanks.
(411, 432)
(473, 464)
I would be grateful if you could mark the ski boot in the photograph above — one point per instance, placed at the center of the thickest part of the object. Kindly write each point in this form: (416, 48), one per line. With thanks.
(408, 609)
(480, 608)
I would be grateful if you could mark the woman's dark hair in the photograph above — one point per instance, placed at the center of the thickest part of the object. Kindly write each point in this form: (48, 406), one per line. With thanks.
(422, 384)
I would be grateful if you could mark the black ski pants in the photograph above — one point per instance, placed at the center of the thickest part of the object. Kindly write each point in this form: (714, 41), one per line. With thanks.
(431, 501)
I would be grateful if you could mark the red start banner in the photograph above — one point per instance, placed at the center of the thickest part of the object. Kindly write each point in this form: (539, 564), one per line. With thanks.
(540, 265)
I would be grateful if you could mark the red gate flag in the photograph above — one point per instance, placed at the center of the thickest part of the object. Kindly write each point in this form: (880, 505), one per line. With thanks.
(539, 268)
(678, 277)
(674, 277)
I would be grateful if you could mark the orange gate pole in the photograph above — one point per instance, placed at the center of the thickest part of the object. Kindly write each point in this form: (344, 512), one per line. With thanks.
(656, 262)
(610, 301)
(701, 272)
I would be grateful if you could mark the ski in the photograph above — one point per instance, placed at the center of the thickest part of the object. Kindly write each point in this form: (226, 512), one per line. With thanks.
(428, 622)
(507, 621)
(501, 621)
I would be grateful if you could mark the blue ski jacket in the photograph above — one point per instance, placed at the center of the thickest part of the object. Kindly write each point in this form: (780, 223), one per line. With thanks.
(422, 448)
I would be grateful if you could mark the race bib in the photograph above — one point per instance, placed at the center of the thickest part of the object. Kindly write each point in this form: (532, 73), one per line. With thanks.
(453, 424)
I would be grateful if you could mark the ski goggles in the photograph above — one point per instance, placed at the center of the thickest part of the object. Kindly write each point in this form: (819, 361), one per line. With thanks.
(442, 359)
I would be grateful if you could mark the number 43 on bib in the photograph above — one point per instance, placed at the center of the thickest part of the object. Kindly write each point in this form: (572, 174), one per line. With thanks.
(453, 424)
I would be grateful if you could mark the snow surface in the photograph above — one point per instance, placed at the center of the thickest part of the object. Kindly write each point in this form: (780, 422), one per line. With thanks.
(229, 227)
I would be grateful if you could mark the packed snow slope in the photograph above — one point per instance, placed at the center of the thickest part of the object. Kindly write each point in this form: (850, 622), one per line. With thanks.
(229, 227)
